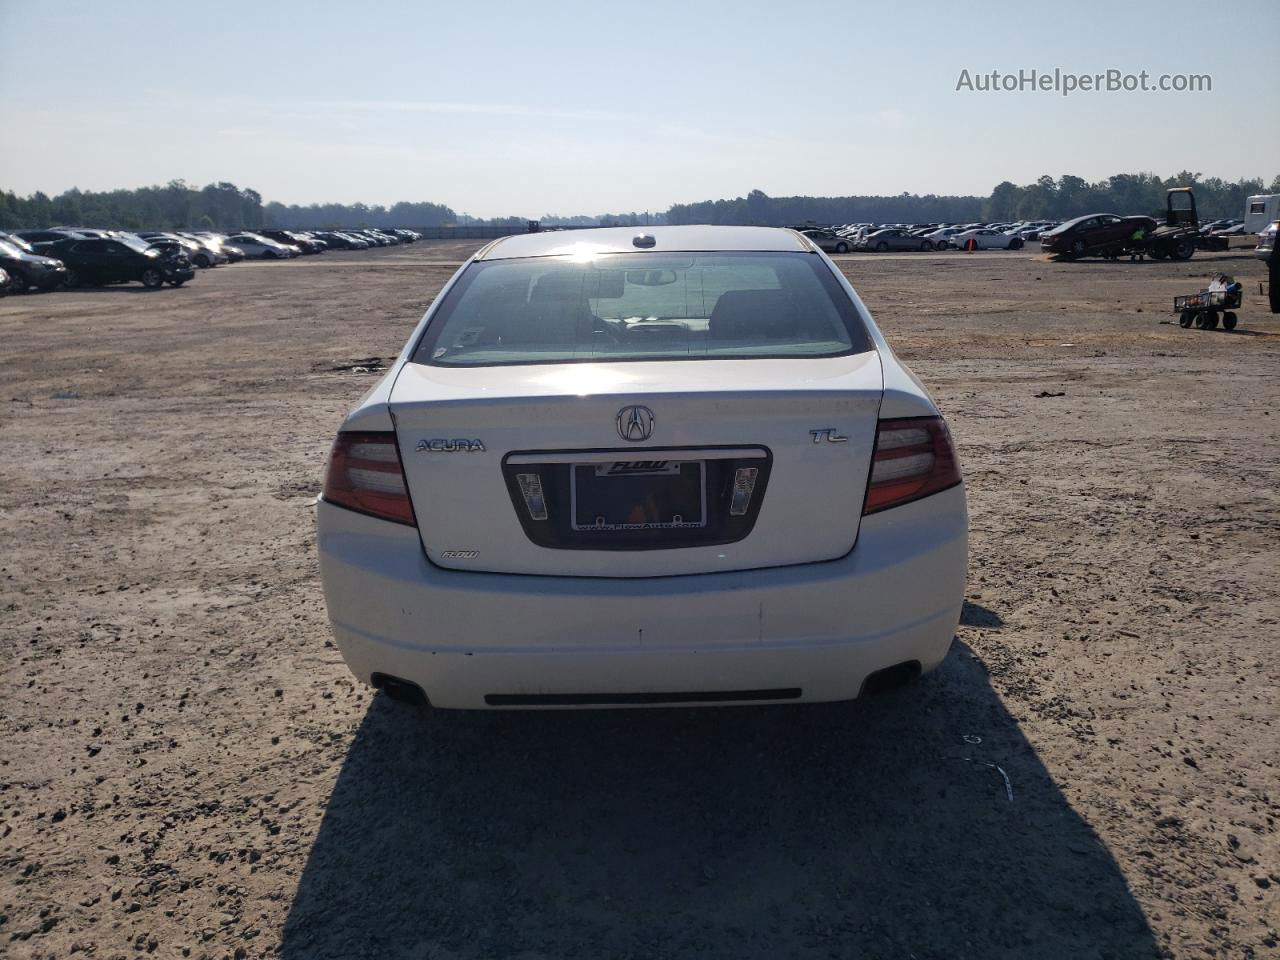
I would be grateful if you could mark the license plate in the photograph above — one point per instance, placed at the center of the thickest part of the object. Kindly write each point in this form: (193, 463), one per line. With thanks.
(638, 468)
(624, 495)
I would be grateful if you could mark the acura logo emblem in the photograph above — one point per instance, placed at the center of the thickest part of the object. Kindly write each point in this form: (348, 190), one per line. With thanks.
(635, 423)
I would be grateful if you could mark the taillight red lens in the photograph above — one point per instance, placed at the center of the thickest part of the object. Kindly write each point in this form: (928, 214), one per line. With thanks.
(913, 458)
(365, 474)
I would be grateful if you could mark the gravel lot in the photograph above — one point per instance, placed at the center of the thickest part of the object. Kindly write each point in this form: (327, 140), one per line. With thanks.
(187, 769)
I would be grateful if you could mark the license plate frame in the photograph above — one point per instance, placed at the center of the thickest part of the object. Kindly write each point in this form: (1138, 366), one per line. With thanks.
(621, 479)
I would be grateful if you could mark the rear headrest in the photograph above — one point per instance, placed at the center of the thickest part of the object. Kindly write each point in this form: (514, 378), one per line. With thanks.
(755, 315)
(557, 313)
(564, 287)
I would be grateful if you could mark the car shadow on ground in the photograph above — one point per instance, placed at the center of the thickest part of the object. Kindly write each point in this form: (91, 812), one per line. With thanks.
(1151, 263)
(976, 615)
(878, 828)
(114, 288)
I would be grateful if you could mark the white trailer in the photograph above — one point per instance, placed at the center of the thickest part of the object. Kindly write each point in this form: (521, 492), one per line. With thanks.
(1261, 210)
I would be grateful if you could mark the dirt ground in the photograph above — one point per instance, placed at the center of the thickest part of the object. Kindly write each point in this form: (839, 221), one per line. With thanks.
(187, 768)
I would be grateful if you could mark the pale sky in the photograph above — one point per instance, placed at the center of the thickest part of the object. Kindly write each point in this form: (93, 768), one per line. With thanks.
(528, 108)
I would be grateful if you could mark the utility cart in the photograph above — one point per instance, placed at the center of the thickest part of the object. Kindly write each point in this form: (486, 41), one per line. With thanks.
(1201, 310)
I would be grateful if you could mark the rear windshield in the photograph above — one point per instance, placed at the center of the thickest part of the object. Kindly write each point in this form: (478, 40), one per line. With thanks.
(625, 306)
(134, 243)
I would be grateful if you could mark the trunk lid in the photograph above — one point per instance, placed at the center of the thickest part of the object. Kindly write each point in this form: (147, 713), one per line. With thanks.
(467, 436)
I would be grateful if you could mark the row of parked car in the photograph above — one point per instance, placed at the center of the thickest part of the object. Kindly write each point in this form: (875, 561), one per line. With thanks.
(81, 256)
(926, 237)
(1223, 228)
(1081, 236)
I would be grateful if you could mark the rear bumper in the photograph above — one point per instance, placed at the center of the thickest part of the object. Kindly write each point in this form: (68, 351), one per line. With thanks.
(819, 629)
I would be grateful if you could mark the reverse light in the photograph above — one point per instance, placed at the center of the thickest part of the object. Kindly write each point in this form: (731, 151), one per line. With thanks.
(534, 500)
(365, 475)
(744, 485)
(913, 458)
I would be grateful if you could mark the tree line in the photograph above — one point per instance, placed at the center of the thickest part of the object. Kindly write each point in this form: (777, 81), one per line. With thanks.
(321, 216)
(1124, 193)
(758, 208)
(1046, 199)
(218, 206)
(224, 206)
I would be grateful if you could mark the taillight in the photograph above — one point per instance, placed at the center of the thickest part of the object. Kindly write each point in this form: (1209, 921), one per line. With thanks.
(913, 458)
(365, 475)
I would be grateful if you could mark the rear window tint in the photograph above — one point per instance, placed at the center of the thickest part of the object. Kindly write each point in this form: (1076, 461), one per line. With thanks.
(617, 307)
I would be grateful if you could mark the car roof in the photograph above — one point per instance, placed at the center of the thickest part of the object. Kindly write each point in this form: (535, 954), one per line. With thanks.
(666, 239)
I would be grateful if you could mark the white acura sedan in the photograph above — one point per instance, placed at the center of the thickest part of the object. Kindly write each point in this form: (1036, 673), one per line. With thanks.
(614, 468)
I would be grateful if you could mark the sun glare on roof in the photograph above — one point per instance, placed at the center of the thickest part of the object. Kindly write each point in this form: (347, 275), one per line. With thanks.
(583, 252)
